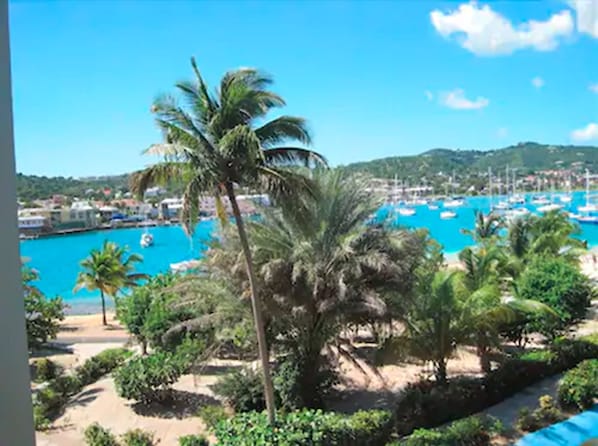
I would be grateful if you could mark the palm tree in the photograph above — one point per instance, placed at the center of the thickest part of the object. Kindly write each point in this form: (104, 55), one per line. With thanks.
(218, 140)
(486, 226)
(108, 271)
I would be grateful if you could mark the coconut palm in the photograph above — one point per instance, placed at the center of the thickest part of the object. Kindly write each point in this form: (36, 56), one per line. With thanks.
(108, 271)
(218, 140)
(486, 227)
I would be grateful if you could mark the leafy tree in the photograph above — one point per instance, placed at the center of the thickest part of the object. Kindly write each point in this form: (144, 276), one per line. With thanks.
(42, 315)
(108, 270)
(486, 227)
(216, 142)
(560, 285)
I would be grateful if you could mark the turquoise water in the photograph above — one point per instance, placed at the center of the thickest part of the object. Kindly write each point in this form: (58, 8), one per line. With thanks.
(573, 431)
(57, 258)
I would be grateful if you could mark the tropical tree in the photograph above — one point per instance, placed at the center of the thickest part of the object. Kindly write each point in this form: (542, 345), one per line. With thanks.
(108, 271)
(486, 227)
(218, 140)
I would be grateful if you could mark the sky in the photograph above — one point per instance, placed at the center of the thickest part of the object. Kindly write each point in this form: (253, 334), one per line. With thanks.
(374, 79)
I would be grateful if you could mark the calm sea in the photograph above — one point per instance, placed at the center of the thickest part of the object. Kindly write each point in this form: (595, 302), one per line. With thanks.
(57, 258)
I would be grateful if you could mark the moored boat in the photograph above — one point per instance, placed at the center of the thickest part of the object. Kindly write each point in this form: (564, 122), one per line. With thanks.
(446, 215)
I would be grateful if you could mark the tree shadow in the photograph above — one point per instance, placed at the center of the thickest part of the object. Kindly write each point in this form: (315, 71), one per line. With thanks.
(85, 397)
(176, 404)
(212, 369)
(351, 400)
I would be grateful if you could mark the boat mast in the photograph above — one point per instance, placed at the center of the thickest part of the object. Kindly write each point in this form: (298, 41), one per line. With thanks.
(587, 187)
(490, 187)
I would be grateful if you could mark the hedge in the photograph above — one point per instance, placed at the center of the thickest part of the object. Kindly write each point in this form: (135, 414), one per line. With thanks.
(579, 387)
(306, 427)
(427, 404)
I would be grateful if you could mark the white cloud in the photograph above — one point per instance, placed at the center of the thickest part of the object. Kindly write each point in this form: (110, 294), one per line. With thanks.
(484, 32)
(429, 95)
(586, 133)
(594, 88)
(456, 99)
(587, 16)
(502, 132)
(538, 82)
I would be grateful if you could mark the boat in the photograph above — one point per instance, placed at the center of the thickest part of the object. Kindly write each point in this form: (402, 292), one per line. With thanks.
(589, 206)
(147, 240)
(516, 213)
(502, 206)
(406, 212)
(587, 219)
(540, 200)
(550, 207)
(454, 202)
(517, 199)
(447, 215)
(184, 266)
(565, 198)
(432, 207)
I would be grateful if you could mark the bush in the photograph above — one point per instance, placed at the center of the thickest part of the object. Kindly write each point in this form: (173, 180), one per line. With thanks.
(538, 355)
(101, 364)
(46, 369)
(193, 440)
(579, 386)
(545, 415)
(137, 437)
(559, 284)
(212, 415)
(242, 390)
(306, 428)
(96, 435)
(473, 431)
(148, 378)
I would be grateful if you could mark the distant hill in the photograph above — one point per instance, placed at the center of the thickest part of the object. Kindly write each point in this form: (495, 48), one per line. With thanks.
(526, 157)
(433, 167)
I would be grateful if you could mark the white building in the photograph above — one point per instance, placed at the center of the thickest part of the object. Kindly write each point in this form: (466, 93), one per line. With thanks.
(32, 222)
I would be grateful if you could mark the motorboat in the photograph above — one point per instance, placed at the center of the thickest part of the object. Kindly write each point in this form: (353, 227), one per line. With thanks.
(540, 200)
(550, 207)
(565, 198)
(454, 202)
(588, 219)
(588, 207)
(147, 240)
(406, 212)
(447, 215)
(517, 199)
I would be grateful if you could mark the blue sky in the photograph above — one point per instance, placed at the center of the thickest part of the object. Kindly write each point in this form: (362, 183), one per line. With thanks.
(374, 79)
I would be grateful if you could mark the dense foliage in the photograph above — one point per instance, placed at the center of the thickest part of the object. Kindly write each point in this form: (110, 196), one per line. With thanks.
(42, 315)
(546, 414)
(193, 440)
(579, 386)
(559, 284)
(96, 435)
(307, 427)
(137, 437)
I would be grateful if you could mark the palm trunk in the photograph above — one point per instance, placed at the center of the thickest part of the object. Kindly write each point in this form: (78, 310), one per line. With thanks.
(103, 308)
(440, 371)
(257, 310)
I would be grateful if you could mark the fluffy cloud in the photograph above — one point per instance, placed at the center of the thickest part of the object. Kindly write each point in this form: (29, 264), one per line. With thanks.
(538, 82)
(484, 32)
(456, 99)
(587, 16)
(429, 95)
(586, 133)
(594, 88)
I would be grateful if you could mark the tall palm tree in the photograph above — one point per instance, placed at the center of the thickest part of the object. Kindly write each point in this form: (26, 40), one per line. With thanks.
(108, 270)
(218, 140)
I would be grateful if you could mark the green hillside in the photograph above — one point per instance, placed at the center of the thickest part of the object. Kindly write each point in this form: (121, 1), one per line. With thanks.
(526, 157)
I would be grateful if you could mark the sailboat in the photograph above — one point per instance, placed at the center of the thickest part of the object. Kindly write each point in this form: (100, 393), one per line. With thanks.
(552, 206)
(147, 239)
(589, 206)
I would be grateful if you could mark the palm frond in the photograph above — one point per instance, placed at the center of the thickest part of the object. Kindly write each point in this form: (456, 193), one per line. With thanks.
(282, 129)
(160, 173)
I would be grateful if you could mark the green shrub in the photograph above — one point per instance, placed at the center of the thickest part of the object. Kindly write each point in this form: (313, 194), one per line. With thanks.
(538, 355)
(138, 437)
(212, 415)
(242, 390)
(96, 435)
(46, 369)
(545, 415)
(101, 364)
(579, 386)
(559, 284)
(149, 378)
(193, 440)
(305, 428)
(49, 401)
(472, 431)
(66, 385)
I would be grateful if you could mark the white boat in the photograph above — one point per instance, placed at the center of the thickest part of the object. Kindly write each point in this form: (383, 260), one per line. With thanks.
(517, 199)
(550, 207)
(184, 266)
(502, 206)
(406, 212)
(588, 219)
(147, 240)
(589, 206)
(433, 207)
(454, 202)
(565, 198)
(447, 215)
(514, 214)
(540, 200)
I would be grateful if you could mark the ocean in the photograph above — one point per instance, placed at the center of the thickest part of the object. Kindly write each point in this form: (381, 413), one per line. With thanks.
(57, 258)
